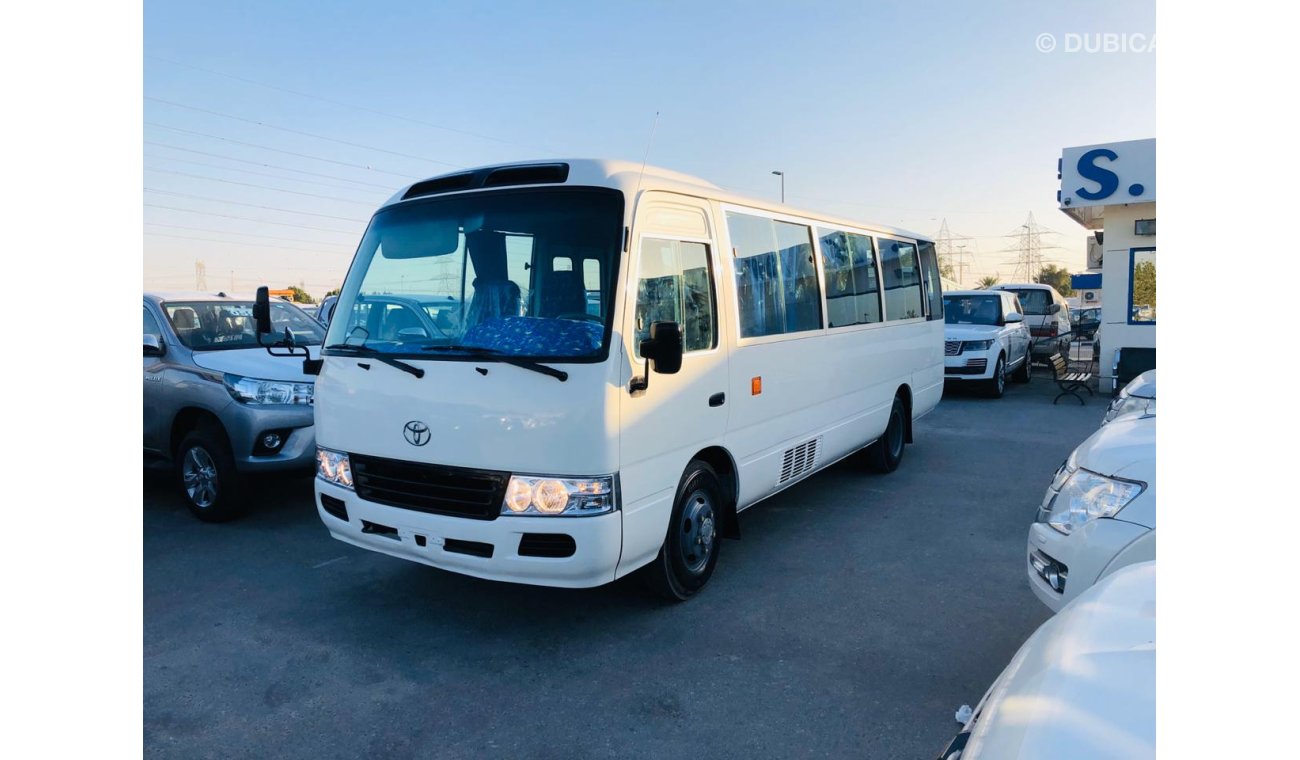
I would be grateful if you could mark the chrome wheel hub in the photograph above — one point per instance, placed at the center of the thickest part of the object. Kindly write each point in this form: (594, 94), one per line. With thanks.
(199, 474)
(698, 532)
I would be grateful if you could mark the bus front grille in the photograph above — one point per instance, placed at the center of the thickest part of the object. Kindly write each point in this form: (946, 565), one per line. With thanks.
(432, 488)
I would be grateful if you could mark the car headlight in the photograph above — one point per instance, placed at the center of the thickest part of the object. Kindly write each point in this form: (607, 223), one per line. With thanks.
(1085, 496)
(569, 497)
(333, 467)
(251, 390)
(1125, 405)
(976, 345)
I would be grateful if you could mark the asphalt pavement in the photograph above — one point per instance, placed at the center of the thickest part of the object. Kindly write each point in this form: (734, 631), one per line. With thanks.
(851, 620)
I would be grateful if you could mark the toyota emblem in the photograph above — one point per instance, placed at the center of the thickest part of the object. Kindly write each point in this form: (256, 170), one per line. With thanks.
(416, 432)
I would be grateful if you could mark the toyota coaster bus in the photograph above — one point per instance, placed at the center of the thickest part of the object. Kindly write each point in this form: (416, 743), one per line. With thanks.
(625, 358)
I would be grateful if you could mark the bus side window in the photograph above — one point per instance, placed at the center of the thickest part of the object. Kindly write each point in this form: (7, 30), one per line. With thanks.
(776, 277)
(930, 280)
(675, 284)
(903, 297)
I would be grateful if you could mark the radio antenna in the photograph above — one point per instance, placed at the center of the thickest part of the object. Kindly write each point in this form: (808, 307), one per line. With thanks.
(653, 128)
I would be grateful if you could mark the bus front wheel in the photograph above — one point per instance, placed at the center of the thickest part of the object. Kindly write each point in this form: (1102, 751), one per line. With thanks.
(690, 550)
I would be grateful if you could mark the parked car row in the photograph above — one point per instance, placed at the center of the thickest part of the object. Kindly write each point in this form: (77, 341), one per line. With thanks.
(1083, 685)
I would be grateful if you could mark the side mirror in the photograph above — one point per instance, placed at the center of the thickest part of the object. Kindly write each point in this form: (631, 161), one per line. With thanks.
(1013, 317)
(1054, 309)
(262, 311)
(663, 349)
(152, 346)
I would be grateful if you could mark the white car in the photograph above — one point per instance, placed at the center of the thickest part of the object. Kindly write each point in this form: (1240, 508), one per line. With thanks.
(1136, 398)
(1099, 513)
(1047, 315)
(985, 339)
(1083, 686)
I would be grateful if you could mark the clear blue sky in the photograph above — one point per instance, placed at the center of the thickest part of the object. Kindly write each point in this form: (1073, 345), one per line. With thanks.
(900, 113)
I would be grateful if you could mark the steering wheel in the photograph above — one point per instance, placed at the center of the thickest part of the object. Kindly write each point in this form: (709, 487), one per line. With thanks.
(580, 316)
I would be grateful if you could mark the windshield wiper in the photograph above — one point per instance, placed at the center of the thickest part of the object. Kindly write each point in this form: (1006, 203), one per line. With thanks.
(378, 355)
(497, 355)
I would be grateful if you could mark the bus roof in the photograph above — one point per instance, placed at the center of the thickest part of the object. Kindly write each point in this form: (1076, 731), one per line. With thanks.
(626, 176)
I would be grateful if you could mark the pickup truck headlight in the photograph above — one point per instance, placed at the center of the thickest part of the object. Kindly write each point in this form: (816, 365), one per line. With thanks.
(567, 497)
(334, 467)
(251, 390)
(976, 345)
(1087, 496)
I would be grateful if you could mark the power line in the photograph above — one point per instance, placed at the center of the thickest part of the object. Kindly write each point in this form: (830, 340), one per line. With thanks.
(266, 165)
(237, 242)
(253, 205)
(406, 177)
(244, 218)
(261, 187)
(245, 234)
(301, 133)
(331, 101)
(250, 171)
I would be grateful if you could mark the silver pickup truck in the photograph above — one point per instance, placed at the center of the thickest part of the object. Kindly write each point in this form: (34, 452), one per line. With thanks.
(217, 406)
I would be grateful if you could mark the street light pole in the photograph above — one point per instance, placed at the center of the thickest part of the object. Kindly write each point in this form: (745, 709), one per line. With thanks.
(782, 176)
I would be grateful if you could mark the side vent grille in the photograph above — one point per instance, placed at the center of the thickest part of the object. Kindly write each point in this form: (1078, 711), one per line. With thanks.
(798, 461)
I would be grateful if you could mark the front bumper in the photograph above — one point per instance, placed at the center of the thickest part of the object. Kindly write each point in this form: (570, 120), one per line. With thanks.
(247, 423)
(1085, 554)
(970, 365)
(458, 543)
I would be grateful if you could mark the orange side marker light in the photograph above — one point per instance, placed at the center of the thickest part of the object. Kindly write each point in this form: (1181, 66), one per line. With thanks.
(755, 385)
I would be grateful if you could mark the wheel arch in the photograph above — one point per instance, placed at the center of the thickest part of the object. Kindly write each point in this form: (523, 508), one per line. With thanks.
(191, 418)
(904, 392)
(728, 476)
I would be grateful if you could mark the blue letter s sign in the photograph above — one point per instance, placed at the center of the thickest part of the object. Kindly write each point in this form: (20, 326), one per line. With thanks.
(1107, 179)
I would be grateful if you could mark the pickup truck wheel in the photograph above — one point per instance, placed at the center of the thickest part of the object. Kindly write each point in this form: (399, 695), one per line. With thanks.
(209, 482)
(690, 550)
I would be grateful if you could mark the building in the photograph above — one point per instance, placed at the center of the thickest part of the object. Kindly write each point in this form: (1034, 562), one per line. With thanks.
(1110, 189)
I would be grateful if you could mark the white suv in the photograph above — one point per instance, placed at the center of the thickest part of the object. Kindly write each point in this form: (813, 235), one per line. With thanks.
(984, 339)
(1047, 314)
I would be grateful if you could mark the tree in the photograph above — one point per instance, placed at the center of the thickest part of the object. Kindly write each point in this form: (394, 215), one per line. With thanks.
(300, 295)
(333, 292)
(1144, 284)
(987, 282)
(1057, 277)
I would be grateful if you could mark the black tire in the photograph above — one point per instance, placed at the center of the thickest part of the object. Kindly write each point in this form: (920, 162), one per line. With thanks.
(690, 549)
(996, 385)
(1025, 370)
(887, 453)
(205, 468)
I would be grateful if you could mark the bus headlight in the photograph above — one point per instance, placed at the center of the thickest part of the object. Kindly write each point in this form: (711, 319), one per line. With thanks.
(566, 497)
(333, 467)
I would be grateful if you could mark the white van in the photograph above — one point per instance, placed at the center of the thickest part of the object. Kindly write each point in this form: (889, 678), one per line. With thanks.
(1047, 314)
(637, 357)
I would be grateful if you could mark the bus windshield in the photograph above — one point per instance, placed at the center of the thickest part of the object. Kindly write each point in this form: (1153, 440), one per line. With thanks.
(517, 273)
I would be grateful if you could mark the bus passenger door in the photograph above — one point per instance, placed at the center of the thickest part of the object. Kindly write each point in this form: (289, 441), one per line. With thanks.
(672, 278)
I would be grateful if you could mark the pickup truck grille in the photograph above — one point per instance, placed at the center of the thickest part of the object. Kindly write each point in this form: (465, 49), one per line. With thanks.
(432, 488)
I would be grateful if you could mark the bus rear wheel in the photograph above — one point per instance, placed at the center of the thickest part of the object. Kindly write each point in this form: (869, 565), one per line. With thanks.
(887, 453)
(690, 550)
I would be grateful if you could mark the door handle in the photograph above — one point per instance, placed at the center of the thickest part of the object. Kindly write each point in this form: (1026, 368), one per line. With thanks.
(717, 399)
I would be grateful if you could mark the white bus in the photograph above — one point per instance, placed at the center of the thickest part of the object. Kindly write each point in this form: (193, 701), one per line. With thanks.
(613, 361)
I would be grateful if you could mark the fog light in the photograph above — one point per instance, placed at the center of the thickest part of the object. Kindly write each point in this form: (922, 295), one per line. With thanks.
(272, 441)
(1052, 572)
